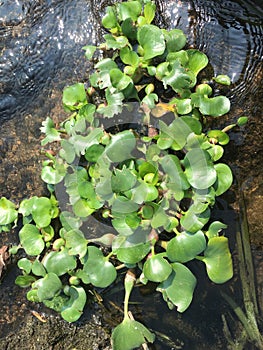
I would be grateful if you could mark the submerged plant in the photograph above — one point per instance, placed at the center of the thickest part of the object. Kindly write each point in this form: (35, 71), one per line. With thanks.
(155, 190)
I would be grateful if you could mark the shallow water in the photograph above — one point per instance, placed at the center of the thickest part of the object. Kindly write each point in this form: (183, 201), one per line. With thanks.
(41, 52)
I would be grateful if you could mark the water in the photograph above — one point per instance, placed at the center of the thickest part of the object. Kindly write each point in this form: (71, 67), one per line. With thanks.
(41, 52)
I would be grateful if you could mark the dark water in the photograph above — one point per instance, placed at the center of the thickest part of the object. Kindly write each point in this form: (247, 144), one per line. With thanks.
(41, 52)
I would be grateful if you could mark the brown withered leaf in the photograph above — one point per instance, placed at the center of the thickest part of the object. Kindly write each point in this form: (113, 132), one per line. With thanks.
(3, 257)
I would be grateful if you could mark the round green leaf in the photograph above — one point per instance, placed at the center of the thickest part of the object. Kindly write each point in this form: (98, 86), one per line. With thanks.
(48, 286)
(156, 268)
(121, 146)
(199, 168)
(38, 268)
(130, 334)
(24, 281)
(217, 258)
(175, 40)
(224, 178)
(193, 222)
(76, 243)
(152, 41)
(130, 9)
(74, 96)
(31, 240)
(59, 262)
(41, 211)
(179, 287)
(74, 307)
(8, 213)
(222, 79)
(185, 246)
(214, 106)
(25, 264)
(219, 135)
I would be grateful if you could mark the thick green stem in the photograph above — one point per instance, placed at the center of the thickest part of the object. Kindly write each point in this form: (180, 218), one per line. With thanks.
(128, 285)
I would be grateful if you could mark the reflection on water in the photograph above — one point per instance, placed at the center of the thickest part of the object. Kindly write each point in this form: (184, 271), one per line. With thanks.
(40, 47)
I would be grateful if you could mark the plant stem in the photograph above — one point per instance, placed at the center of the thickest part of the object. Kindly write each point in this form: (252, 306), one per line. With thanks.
(129, 282)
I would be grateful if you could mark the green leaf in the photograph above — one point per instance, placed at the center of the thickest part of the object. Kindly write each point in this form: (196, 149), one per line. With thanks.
(133, 248)
(8, 213)
(130, 334)
(123, 180)
(119, 80)
(199, 169)
(130, 9)
(53, 174)
(129, 29)
(185, 246)
(149, 12)
(193, 221)
(67, 151)
(222, 79)
(93, 153)
(31, 240)
(110, 18)
(48, 286)
(177, 77)
(74, 96)
(242, 121)
(224, 178)
(219, 135)
(25, 264)
(217, 258)
(123, 205)
(179, 287)
(121, 146)
(41, 211)
(144, 193)
(76, 243)
(97, 269)
(214, 228)
(73, 309)
(48, 128)
(89, 51)
(129, 57)
(114, 43)
(59, 262)
(38, 268)
(215, 106)
(197, 60)
(175, 40)
(156, 268)
(151, 39)
(24, 281)
(81, 143)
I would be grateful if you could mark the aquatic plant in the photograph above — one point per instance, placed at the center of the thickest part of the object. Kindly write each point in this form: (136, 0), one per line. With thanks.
(151, 188)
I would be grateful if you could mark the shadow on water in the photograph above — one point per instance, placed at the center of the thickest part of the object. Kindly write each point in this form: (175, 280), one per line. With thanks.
(41, 52)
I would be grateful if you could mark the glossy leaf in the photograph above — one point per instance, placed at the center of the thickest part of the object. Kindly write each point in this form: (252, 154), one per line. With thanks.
(97, 269)
(157, 268)
(218, 260)
(177, 77)
(131, 9)
(73, 309)
(109, 20)
(222, 79)
(214, 228)
(130, 334)
(74, 96)
(59, 262)
(121, 146)
(151, 39)
(76, 243)
(215, 106)
(48, 128)
(149, 12)
(89, 51)
(31, 240)
(24, 281)
(41, 211)
(8, 213)
(193, 221)
(185, 246)
(48, 286)
(197, 60)
(175, 40)
(178, 289)
(224, 178)
(199, 169)
(25, 264)
(219, 135)
(123, 180)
